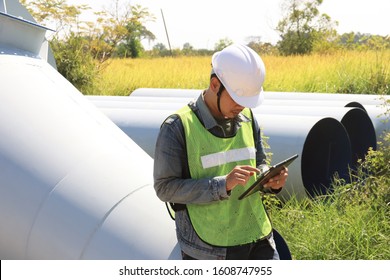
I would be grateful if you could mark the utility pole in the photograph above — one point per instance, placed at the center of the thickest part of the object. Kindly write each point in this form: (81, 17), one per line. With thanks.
(166, 32)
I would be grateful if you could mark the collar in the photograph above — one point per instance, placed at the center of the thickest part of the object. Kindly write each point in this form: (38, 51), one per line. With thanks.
(207, 118)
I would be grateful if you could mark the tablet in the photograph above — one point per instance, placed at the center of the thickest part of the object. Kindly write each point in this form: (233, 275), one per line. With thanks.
(263, 178)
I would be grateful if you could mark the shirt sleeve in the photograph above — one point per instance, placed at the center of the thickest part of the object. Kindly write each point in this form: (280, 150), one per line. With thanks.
(171, 178)
(260, 153)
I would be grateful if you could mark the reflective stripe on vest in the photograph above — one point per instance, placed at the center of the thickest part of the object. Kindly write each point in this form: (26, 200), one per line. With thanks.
(227, 222)
(221, 158)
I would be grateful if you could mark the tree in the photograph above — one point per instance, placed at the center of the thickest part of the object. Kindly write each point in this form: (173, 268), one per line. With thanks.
(303, 27)
(160, 50)
(79, 46)
(222, 43)
(361, 41)
(123, 26)
(74, 62)
(64, 17)
(188, 49)
(255, 43)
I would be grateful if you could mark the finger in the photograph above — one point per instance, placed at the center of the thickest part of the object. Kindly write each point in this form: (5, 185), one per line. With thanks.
(250, 168)
(245, 172)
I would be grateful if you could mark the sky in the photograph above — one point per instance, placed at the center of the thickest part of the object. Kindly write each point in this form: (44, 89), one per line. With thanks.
(202, 23)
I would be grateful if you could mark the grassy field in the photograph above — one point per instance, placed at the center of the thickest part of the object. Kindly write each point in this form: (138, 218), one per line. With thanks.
(351, 223)
(343, 72)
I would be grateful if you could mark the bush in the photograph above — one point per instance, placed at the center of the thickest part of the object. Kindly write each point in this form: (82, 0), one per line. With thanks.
(75, 62)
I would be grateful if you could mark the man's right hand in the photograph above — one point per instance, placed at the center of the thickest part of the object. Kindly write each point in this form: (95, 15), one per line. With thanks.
(240, 176)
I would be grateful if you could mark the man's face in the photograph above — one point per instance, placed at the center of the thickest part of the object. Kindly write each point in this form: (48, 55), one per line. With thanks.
(229, 107)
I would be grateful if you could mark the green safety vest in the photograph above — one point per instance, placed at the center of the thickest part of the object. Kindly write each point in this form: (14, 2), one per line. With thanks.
(227, 222)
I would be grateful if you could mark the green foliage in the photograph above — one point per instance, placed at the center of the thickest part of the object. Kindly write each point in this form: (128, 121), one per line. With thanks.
(222, 43)
(130, 45)
(359, 41)
(75, 62)
(58, 12)
(304, 28)
(258, 46)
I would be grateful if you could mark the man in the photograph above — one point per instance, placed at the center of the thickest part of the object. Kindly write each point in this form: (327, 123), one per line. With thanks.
(206, 156)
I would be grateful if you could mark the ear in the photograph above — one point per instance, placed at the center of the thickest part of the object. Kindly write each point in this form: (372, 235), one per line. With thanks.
(214, 84)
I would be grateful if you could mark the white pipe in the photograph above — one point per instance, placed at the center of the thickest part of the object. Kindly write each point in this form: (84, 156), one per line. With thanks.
(110, 101)
(140, 102)
(165, 92)
(322, 143)
(380, 119)
(72, 184)
(288, 106)
(121, 101)
(365, 99)
(356, 121)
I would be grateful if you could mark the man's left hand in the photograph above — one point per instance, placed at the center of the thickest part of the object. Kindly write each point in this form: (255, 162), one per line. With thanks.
(278, 181)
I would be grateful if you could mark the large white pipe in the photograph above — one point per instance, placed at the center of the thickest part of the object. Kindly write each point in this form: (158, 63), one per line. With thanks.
(141, 103)
(365, 99)
(154, 99)
(375, 103)
(110, 101)
(72, 184)
(323, 143)
(356, 121)
(120, 102)
(165, 92)
(380, 119)
(128, 102)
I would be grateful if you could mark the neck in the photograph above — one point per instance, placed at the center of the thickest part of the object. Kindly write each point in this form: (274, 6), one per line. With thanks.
(210, 98)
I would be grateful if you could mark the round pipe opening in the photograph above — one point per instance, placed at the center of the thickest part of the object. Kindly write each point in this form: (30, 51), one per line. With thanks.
(361, 133)
(326, 151)
(355, 104)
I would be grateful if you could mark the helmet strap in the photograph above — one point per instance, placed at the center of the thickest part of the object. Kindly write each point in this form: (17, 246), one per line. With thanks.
(219, 93)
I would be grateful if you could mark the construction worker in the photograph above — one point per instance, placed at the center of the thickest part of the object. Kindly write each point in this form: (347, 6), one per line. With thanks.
(207, 154)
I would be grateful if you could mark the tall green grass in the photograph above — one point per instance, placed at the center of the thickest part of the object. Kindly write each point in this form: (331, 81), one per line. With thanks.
(343, 72)
(351, 223)
(365, 72)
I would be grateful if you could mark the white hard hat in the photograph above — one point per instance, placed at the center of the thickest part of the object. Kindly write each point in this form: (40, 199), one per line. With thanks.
(241, 70)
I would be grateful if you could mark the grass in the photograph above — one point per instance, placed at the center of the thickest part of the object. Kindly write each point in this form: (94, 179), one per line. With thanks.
(351, 223)
(122, 76)
(319, 230)
(365, 72)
